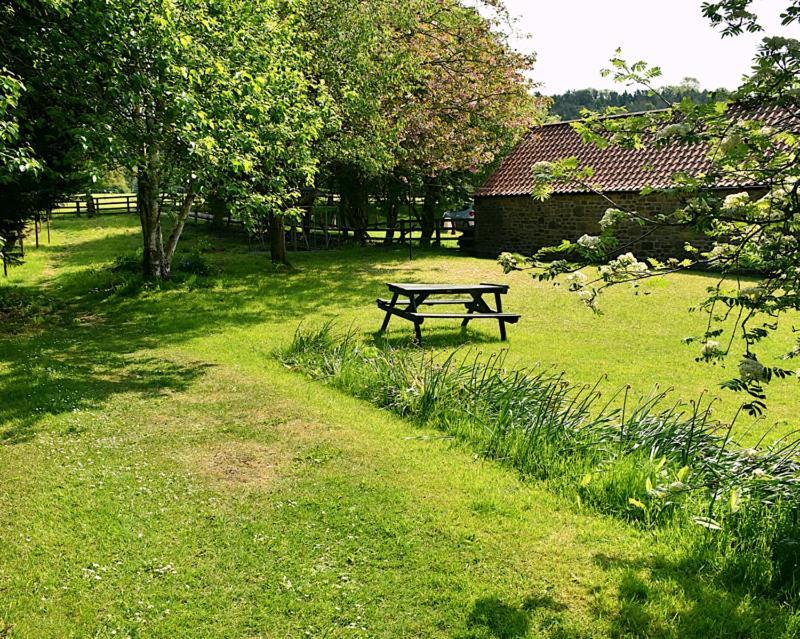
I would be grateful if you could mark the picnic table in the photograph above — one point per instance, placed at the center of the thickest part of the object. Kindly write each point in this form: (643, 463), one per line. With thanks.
(471, 298)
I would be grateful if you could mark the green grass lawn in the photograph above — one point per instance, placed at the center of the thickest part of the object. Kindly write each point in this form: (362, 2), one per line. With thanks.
(163, 475)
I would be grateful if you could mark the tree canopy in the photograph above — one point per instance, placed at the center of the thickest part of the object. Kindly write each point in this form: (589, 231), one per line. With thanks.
(570, 105)
(255, 102)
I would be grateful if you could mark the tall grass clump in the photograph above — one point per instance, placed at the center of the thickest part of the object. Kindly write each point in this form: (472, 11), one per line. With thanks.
(660, 465)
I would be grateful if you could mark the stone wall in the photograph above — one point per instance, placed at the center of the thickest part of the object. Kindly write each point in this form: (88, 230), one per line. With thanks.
(525, 225)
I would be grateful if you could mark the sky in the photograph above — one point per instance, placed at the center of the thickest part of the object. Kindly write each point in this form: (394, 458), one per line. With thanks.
(574, 39)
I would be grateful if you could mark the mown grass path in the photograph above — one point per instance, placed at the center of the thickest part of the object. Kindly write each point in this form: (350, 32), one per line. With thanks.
(162, 475)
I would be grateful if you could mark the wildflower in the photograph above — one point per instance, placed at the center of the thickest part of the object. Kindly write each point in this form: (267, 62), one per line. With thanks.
(751, 370)
(759, 472)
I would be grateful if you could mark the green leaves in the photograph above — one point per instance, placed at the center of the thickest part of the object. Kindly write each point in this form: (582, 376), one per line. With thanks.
(753, 146)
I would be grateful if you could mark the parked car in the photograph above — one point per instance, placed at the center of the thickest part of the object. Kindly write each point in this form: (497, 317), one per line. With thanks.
(462, 219)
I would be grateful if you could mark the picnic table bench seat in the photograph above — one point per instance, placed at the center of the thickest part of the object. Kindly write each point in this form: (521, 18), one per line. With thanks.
(420, 295)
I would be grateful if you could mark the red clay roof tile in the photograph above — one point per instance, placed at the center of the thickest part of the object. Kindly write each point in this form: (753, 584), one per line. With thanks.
(615, 168)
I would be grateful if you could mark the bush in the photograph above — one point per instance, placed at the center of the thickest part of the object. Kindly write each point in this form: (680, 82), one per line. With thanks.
(653, 464)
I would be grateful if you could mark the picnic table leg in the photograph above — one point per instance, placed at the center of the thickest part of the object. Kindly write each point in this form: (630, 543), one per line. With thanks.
(386, 319)
(472, 307)
(413, 302)
(498, 300)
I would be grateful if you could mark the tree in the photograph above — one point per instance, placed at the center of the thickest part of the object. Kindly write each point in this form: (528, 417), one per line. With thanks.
(42, 157)
(753, 140)
(358, 53)
(183, 93)
(424, 93)
(471, 101)
(569, 105)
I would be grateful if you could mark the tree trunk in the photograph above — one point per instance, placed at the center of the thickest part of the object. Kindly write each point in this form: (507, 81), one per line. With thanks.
(175, 235)
(148, 188)
(394, 191)
(354, 202)
(430, 200)
(277, 240)
(218, 207)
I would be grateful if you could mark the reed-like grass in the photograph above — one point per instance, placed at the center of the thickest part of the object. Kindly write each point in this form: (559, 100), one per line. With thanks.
(666, 467)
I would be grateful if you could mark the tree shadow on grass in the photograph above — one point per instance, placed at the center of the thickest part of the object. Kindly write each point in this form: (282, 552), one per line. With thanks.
(540, 616)
(96, 342)
(437, 337)
(492, 618)
(703, 607)
(50, 376)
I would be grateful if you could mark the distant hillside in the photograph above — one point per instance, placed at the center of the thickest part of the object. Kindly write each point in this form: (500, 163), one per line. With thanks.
(567, 106)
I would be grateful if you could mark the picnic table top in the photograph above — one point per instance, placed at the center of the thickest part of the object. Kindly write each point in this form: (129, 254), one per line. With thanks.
(400, 287)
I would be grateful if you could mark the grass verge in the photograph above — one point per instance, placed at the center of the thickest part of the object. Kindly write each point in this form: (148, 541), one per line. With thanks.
(659, 465)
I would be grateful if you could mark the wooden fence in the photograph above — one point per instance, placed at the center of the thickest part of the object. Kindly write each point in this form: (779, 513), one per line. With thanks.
(99, 204)
(318, 229)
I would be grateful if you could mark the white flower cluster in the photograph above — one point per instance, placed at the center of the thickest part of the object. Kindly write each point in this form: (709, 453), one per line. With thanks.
(751, 370)
(611, 217)
(590, 242)
(736, 200)
(673, 130)
(577, 280)
(625, 264)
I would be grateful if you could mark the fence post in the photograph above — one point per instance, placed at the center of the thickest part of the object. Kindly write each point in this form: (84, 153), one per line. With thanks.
(48, 225)
(36, 228)
(77, 207)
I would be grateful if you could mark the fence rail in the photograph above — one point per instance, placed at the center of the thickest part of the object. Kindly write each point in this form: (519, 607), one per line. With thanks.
(318, 229)
(98, 204)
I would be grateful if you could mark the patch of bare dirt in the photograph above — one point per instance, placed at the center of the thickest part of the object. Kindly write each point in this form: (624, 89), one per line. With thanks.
(245, 464)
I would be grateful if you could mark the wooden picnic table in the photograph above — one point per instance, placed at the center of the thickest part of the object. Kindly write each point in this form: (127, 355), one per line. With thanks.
(417, 295)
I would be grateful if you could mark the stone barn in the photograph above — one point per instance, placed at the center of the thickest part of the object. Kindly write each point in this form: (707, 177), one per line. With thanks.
(508, 218)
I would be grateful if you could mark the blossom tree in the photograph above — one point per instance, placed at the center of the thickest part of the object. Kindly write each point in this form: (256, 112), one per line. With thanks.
(752, 140)
(471, 103)
(423, 92)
